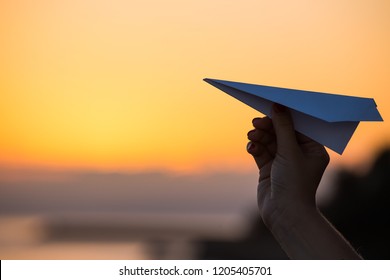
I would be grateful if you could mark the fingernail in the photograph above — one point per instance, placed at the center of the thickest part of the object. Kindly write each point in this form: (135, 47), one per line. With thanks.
(250, 132)
(278, 108)
(250, 146)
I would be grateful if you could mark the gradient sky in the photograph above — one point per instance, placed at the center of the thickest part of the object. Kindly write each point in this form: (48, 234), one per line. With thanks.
(117, 85)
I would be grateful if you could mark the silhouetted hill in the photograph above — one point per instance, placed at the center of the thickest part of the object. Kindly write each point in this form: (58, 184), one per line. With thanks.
(360, 209)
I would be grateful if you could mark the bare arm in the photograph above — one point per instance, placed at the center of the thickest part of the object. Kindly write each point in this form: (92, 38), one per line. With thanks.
(291, 167)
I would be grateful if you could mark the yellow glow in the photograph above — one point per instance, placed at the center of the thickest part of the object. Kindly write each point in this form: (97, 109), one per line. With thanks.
(118, 84)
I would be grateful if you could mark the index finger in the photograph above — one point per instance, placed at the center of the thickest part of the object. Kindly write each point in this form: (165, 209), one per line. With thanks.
(263, 123)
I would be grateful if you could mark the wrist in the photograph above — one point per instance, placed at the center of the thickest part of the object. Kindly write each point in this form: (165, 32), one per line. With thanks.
(297, 217)
(306, 234)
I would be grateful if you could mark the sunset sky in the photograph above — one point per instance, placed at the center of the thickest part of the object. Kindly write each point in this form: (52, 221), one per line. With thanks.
(117, 85)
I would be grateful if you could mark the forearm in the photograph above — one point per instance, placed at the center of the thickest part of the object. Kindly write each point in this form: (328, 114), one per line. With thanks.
(311, 236)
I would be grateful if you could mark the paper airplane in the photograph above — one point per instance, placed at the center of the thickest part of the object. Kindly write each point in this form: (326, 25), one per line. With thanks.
(329, 119)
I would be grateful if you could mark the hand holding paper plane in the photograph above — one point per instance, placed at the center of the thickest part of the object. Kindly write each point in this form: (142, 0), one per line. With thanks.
(329, 119)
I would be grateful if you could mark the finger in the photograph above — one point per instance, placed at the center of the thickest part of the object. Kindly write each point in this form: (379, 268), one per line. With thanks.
(263, 139)
(284, 129)
(263, 123)
(260, 154)
(257, 135)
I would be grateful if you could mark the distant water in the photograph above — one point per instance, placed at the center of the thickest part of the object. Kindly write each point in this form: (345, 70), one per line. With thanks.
(113, 236)
(67, 215)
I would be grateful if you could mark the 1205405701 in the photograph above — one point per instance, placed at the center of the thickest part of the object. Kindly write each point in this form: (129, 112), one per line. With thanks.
(242, 270)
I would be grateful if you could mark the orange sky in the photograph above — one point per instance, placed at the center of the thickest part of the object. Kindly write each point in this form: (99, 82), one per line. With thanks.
(117, 85)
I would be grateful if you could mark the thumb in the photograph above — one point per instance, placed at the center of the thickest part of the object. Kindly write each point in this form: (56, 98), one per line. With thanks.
(284, 129)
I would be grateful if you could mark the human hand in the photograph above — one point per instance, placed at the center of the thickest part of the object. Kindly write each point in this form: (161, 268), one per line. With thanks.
(291, 167)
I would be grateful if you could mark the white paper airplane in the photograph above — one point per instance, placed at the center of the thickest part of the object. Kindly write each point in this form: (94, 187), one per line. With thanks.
(329, 119)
